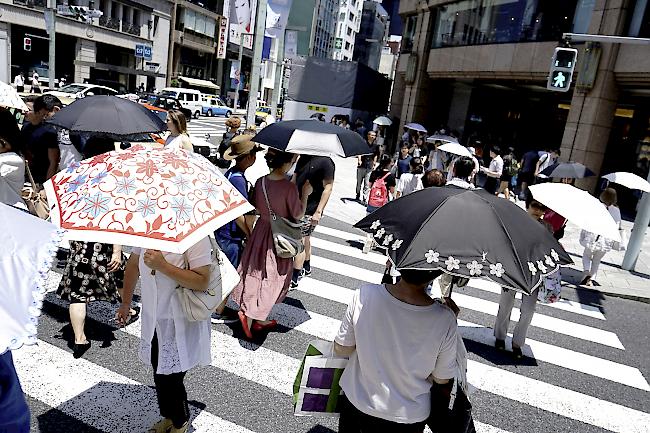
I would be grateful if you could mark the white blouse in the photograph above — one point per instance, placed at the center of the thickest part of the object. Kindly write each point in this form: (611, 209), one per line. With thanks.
(12, 178)
(181, 141)
(181, 344)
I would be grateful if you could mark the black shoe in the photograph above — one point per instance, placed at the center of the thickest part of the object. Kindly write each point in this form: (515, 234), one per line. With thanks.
(293, 284)
(79, 349)
(306, 273)
(500, 344)
(516, 353)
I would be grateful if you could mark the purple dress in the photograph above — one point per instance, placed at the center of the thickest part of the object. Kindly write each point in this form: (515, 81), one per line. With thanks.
(265, 277)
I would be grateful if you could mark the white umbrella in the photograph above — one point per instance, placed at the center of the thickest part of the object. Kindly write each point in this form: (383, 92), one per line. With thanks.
(9, 98)
(442, 137)
(382, 121)
(629, 180)
(455, 148)
(577, 206)
(416, 127)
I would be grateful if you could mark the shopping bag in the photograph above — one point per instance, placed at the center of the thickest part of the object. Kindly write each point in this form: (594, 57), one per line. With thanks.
(316, 390)
(550, 289)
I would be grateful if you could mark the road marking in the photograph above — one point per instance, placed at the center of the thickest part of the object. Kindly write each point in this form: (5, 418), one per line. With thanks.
(557, 400)
(345, 269)
(563, 304)
(566, 358)
(542, 321)
(346, 236)
(348, 251)
(96, 395)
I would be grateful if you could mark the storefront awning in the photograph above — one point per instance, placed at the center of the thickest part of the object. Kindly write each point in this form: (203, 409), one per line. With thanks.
(199, 83)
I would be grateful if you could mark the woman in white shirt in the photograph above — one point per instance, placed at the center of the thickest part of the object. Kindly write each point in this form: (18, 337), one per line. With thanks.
(178, 138)
(595, 245)
(12, 175)
(169, 342)
(399, 341)
(412, 181)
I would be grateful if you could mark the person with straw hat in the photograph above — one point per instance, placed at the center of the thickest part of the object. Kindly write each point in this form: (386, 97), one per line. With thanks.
(230, 237)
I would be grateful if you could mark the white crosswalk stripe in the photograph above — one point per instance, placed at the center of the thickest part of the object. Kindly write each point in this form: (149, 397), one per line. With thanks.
(82, 389)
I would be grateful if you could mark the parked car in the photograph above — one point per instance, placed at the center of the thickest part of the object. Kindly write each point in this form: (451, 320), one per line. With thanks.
(73, 91)
(261, 113)
(215, 107)
(166, 103)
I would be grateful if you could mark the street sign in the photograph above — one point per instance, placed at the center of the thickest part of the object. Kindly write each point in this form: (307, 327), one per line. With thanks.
(562, 66)
(147, 52)
(27, 44)
(143, 51)
(139, 50)
(338, 43)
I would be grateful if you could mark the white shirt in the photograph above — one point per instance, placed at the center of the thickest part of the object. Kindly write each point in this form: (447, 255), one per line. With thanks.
(545, 160)
(12, 178)
(181, 141)
(409, 182)
(398, 346)
(181, 344)
(461, 183)
(19, 81)
(69, 153)
(496, 166)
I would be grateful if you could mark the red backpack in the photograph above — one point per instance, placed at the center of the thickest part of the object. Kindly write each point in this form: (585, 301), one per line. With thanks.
(378, 193)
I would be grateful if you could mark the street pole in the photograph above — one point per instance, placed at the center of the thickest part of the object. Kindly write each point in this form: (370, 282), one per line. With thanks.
(50, 26)
(279, 70)
(241, 55)
(638, 233)
(260, 27)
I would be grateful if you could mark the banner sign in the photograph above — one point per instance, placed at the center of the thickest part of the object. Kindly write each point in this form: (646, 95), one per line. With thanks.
(241, 19)
(277, 15)
(222, 38)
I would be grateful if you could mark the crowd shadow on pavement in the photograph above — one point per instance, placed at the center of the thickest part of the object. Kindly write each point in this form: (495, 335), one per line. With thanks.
(320, 429)
(585, 296)
(497, 357)
(114, 407)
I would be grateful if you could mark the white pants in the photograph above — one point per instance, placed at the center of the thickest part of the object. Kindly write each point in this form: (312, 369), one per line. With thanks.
(591, 261)
(506, 302)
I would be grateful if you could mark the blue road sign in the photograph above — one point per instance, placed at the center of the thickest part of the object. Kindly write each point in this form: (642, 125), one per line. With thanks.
(146, 52)
(139, 50)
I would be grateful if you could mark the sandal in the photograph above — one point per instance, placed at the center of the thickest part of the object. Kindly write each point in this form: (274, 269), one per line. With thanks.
(162, 426)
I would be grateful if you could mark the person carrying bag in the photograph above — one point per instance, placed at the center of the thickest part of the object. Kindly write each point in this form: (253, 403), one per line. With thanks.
(287, 237)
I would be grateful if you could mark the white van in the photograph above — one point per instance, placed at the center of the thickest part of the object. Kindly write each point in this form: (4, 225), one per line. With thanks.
(189, 98)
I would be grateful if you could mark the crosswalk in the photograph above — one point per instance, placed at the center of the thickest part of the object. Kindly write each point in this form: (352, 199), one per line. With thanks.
(577, 378)
(201, 126)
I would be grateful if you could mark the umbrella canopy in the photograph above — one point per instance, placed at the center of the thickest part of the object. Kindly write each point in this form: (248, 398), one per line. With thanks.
(470, 233)
(29, 245)
(108, 115)
(382, 121)
(569, 170)
(577, 206)
(441, 137)
(629, 180)
(307, 137)
(455, 148)
(151, 198)
(9, 98)
(416, 127)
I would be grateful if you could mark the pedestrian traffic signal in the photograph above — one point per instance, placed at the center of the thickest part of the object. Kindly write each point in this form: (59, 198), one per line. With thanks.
(562, 66)
(27, 44)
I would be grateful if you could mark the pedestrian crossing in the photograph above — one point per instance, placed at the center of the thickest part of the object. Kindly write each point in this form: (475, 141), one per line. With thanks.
(578, 376)
(199, 127)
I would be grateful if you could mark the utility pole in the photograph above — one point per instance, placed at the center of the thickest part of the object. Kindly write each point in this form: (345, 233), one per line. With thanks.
(279, 70)
(50, 27)
(260, 27)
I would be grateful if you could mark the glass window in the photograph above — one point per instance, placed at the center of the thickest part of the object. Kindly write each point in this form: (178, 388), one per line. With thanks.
(409, 33)
(190, 19)
(200, 24)
(581, 20)
(472, 22)
(640, 22)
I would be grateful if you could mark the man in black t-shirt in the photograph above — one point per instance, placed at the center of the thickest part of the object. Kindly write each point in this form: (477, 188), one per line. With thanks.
(319, 171)
(40, 139)
(365, 165)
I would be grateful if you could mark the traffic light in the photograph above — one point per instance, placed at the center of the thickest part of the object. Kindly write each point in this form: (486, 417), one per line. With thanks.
(27, 44)
(562, 66)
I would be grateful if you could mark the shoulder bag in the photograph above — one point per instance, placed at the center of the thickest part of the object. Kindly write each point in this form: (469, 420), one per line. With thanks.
(35, 197)
(287, 236)
(198, 305)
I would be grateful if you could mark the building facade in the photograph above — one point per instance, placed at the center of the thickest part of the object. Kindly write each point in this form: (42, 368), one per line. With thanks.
(480, 67)
(323, 28)
(372, 35)
(101, 53)
(348, 22)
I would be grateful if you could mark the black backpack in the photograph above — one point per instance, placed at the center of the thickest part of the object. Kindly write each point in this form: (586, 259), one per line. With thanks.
(223, 146)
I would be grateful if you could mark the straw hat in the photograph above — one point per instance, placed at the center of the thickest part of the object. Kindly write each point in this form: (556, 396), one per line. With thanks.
(239, 146)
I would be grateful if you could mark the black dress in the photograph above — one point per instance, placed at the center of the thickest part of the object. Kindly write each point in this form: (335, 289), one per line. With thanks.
(86, 277)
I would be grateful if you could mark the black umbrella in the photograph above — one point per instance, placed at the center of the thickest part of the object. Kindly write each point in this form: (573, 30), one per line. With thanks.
(309, 137)
(571, 170)
(109, 116)
(468, 233)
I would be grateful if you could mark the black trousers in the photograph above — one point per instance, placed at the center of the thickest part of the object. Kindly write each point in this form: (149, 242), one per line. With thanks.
(352, 420)
(170, 390)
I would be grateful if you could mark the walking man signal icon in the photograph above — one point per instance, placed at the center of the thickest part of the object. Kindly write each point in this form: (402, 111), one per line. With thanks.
(562, 66)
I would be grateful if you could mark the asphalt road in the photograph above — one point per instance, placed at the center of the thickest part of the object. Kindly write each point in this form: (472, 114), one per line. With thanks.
(588, 373)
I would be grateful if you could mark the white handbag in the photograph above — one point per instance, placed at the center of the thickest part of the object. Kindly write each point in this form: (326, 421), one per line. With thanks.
(198, 305)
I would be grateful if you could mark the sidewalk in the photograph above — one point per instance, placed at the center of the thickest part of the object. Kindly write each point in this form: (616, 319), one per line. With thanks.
(612, 280)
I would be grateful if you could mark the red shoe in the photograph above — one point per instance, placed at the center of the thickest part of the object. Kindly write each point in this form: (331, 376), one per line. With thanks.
(257, 327)
(244, 324)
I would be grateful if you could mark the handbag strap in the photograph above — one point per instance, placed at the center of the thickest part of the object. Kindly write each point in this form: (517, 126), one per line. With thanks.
(266, 197)
(30, 178)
